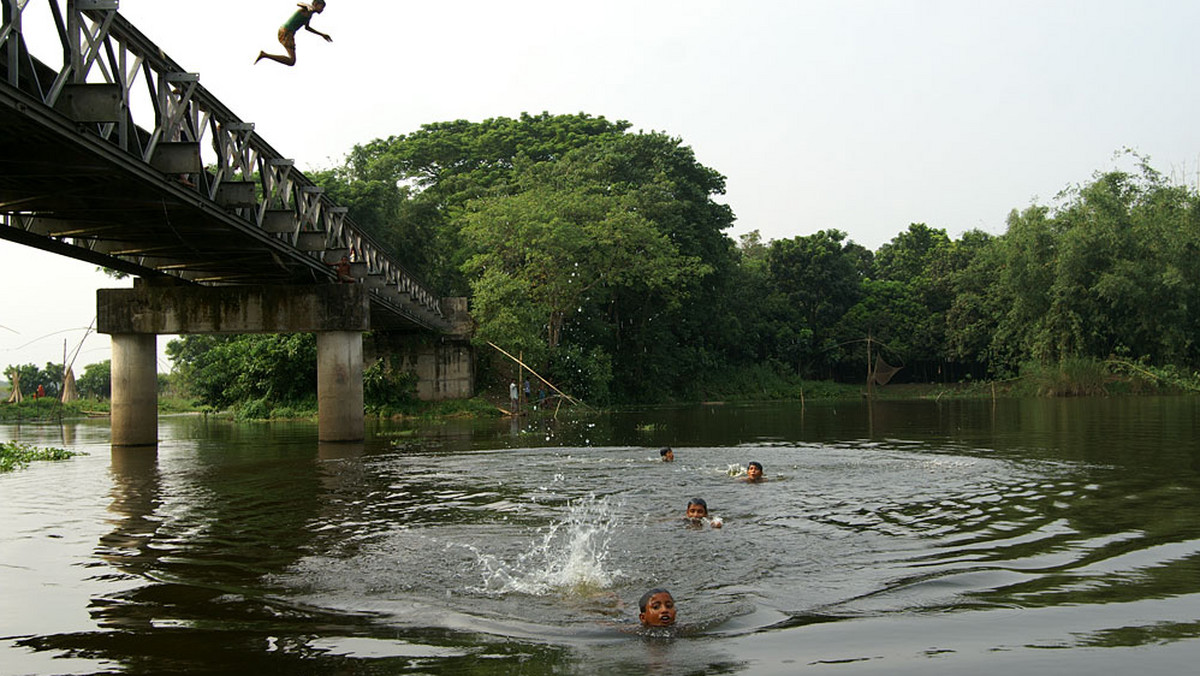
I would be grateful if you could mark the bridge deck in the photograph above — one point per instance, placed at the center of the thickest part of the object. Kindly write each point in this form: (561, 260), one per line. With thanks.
(80, 197)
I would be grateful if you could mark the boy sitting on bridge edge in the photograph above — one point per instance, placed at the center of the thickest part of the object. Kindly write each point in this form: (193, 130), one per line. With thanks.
(287, 32)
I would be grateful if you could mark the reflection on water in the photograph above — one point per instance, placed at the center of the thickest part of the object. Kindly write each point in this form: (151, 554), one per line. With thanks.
(902, 537)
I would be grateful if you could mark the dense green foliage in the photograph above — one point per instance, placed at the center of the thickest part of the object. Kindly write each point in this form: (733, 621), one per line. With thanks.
(14, 455)
(96, 381)
(600, 256)
(30, 376)
(257, 373)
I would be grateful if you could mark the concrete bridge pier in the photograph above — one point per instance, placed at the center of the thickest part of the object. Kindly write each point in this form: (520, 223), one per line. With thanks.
(337, 313)
(340, 386)
(134, 390)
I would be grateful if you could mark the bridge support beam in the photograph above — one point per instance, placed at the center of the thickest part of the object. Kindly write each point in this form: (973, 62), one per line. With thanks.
(337, 313)
(134, 390)
(340, 385)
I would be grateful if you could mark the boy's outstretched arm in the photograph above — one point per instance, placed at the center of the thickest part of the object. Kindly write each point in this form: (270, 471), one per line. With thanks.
(324, 35)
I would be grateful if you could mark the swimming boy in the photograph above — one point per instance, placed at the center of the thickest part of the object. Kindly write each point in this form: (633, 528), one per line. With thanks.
(656, 608)
(287, 32)
(697, 512)
(754, 473)
(667, 454)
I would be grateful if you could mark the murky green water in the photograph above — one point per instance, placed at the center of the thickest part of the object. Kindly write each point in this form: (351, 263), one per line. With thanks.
(1042, 536)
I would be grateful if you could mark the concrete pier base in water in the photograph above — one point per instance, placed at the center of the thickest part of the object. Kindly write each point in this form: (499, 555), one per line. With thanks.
(134, 390)
(340, 386)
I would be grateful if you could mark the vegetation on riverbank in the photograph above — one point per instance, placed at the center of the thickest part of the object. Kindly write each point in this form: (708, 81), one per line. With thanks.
(47, 409)
(599, 255)
(14, 455)
(1075, 377)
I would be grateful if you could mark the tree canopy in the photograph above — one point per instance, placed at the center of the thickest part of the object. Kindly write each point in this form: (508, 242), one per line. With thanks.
(601, 256)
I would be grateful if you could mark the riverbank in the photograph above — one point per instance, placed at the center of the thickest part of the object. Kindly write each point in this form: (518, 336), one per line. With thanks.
(1088, 379)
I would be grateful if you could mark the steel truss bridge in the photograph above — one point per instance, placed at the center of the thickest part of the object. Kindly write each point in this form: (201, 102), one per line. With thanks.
(112, 153)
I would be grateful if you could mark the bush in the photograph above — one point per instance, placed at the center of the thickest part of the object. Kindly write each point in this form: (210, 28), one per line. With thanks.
(255, 409)
(386, 388)
(1071, 377)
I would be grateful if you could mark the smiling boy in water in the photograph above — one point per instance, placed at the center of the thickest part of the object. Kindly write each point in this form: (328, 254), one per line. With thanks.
(697, 513)
(656, 608)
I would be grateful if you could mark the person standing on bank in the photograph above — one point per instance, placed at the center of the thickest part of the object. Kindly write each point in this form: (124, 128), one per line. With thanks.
(287, 32)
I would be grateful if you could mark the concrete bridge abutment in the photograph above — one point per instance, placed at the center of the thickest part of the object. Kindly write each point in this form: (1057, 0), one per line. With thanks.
(443, 363)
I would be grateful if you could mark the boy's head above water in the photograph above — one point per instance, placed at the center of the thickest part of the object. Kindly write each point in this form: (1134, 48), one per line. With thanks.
(754, 471)
(667, 454)
(656, 608)
(697, 508)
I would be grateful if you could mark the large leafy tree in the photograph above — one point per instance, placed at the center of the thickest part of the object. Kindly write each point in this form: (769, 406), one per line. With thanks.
(1124, 283)
(96, 381)
(405, 189)
(884, 322)
(572, 254)
(976, 306)
(1112, 271)
(664, 338)
(818, 278)
(922, 259)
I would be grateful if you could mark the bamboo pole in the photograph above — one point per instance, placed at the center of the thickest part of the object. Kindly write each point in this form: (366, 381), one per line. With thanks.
(538, 376)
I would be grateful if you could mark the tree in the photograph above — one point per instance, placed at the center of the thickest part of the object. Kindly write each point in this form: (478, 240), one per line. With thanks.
(225, 370)
(921, 258)
(1121, 285)
(96, 381)
(49, 378)
(1026, 272)
(404, 189)
(818, 277)
(559, 244)
(976, 305)
(888, 314)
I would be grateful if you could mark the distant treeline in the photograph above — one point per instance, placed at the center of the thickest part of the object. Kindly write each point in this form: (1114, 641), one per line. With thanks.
(93, 383)
(600, 255)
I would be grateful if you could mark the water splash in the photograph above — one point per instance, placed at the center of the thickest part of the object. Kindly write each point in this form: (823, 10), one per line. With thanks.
(571, 556)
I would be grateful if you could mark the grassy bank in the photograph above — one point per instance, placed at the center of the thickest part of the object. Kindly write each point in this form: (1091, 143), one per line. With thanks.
(47, 410)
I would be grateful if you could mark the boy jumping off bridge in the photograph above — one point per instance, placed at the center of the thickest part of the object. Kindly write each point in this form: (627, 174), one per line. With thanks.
(287, 32)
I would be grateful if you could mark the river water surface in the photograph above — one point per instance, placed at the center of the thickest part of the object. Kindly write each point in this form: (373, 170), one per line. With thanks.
(1020, 536)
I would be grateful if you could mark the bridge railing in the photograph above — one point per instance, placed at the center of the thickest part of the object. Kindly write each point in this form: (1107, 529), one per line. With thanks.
(172, 123)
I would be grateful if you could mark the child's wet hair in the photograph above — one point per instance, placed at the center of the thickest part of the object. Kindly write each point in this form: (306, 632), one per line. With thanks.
(648, 595)
(698, 501)
(664, 450)
(755, 463)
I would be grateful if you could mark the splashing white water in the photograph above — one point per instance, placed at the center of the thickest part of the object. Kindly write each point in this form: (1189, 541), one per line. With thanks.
(570, 557)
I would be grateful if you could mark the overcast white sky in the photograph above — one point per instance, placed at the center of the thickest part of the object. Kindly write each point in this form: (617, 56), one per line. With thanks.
(855, 115)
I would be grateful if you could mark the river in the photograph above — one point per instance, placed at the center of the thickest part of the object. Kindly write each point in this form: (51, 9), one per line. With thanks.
(1047, 536)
